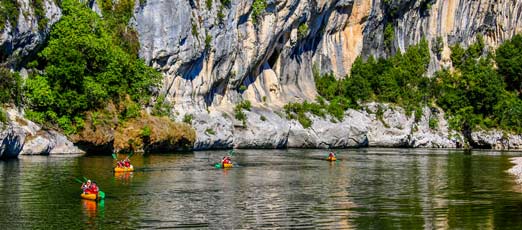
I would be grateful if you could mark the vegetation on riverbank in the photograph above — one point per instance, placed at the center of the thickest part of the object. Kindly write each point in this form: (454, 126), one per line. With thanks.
(482, 91)
(89, 82)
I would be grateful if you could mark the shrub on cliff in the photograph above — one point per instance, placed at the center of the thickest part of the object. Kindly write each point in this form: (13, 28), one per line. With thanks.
(10, 87)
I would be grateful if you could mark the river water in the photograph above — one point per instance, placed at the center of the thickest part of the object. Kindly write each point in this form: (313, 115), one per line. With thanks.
(366, 188)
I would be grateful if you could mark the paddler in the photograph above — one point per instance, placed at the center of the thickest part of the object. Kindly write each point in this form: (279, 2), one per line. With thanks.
(331, 155)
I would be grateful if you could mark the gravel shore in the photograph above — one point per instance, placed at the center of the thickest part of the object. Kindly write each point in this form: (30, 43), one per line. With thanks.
(517, 169)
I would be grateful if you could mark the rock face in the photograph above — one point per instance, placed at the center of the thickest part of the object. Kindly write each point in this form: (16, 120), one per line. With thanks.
(23, 137)
(208, 54)
(364, 128)
(17, 42)
(213, 57)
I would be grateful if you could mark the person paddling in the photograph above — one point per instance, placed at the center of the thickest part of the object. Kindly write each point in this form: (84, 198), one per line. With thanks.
(331, 155)
(226, 160)
(86, 187)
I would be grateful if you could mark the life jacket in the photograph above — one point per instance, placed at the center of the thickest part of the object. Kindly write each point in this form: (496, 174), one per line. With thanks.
(93, 189)
(127, 164)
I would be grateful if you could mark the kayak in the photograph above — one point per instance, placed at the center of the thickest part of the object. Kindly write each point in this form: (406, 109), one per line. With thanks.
(91, 196)
(124, 169)
(331, 159)
(219, 165)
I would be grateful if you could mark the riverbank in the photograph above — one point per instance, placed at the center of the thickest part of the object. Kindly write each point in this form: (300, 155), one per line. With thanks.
(375, 125)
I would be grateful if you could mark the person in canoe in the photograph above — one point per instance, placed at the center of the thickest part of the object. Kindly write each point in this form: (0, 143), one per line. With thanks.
(226, 160)
(126, 163)
(89, 187)
(331, 156)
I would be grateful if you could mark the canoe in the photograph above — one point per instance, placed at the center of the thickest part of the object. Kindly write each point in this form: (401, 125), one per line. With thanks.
(119, 169)
(89, 196)
(228, 165)
(331, 159)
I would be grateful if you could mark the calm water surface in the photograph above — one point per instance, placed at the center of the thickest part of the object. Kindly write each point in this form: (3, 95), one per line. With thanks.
(366, 189)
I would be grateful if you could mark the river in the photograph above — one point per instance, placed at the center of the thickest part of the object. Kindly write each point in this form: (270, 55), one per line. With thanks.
(366, 188)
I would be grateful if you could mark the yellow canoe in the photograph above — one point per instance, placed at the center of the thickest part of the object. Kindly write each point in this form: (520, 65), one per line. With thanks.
(124, 169)
(228, 165)
(331, 159)
(89, 196)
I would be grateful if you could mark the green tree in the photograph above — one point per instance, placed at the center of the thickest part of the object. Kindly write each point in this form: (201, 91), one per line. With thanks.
(509, 61)
(84, 68)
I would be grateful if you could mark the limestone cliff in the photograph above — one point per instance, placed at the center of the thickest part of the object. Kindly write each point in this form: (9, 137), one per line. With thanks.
(207, 54)
(214, 56)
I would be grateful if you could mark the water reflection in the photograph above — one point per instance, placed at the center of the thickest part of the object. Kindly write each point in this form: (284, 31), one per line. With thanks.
(366, 188)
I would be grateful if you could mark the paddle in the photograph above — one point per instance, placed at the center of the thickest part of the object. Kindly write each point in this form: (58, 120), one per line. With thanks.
(130, 155)
(78, 180)
(114, 156)
(101, 194)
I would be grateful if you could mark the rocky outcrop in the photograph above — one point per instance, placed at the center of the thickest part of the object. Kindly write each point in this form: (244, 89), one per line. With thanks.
(22, 40)
(264, 128)
(496, 139)
(20, 136)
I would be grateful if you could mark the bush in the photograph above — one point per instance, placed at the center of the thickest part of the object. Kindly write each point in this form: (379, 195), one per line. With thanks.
(262, 118)
(238, 111)
(389, 36)
(208, 42)
(9, 10)
(302, 31)
(188, 118)
(161, 107)
(145, 132)
(3, 116)
(433, 123)
(258, 7)
(210, 131)
(10, 87)
(509, 61)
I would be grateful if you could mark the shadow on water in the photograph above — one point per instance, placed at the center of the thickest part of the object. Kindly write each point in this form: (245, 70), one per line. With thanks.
(366, 188)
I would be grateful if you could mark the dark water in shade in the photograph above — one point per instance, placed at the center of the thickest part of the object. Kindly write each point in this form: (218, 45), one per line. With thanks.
(366, 189)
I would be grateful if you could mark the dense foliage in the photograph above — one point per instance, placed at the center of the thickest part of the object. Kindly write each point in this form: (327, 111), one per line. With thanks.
(509, 61)
(84, 69)
(10, 87)
(474, 94)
